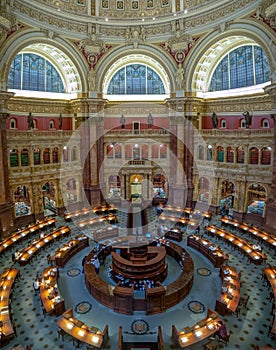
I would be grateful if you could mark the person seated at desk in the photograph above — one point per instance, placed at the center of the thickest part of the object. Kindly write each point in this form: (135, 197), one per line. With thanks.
(257, 246)
(36, 285)
(221, 332)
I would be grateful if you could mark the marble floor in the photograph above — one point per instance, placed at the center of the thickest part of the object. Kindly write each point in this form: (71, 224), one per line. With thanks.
(248, 329)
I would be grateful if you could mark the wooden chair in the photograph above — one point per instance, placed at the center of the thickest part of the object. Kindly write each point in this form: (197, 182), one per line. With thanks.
(226, 341)
(211, 345)
(243, 302)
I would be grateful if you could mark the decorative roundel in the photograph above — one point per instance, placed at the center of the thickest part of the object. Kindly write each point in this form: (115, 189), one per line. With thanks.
(179, 56)
(140, 327)
(83, 307)
(92, 58)
(196, 307)
(73, 272)
(203, 271)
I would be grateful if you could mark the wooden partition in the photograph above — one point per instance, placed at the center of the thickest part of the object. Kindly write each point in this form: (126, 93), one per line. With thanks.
(50, 296)
(81, 332)
(6, 283)
(208, 249)
(203, 329)
(229, 298)
(69, 249)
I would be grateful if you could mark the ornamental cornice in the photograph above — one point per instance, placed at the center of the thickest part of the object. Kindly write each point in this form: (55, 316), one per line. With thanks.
(73, 24)
(43, 107)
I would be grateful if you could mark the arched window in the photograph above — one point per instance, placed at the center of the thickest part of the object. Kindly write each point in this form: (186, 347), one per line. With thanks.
(240, 155)
(36, 156)
(13, 158)
(253, 155)
(223, 124)
(65, 154)
(55, 155)
(118, 151)
(163, 151)
(136, 152)
(109, 151)
(46, 156)
(13, 123)
(265, 123)
(244, 66)
(200, 152)
(51, 124)
(71, 191)
(128, 152)
(74, 153)
(266, 156)
(145, 152)
(24, 157)
(230, 155)
(209, 152)
(243, 123)
(154, 151)
(30, 71)
(136, 79)
(220, 154)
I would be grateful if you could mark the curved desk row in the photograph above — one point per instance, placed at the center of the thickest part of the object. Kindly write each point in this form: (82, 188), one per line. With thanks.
(97, 222)
(27, 253)
(49, 294)
(186, 212)
(17, 236)
(229, 298)
(270, 274)
(201, 330)
(81, 332)
(6, 283)
(208, 249)
(253, 231)
(156, 300)
(69, 249)
(102, 211)
(254, 255)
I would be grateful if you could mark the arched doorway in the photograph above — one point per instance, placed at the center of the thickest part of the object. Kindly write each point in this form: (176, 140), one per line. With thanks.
(227, 192)
(22, 201)
(136, 187)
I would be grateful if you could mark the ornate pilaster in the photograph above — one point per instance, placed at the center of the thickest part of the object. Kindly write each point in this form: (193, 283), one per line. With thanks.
(6, 204)
(270, 214)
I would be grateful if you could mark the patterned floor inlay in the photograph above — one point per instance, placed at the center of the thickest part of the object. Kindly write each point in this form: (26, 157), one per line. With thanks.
(83, 307)
(139, 327)
(196, 306)
(203, 271)
(73, 272)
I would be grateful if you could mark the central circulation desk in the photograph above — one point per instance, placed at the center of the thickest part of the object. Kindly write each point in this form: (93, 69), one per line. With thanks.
(135, 267)
(158, 299)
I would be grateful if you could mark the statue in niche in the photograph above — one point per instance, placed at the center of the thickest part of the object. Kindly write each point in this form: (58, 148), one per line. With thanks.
(248, 119)
(122, 121)
(179, 76)
(60, 122)
(150, 120)
(30, 121)
(91, 79)
(214, 120)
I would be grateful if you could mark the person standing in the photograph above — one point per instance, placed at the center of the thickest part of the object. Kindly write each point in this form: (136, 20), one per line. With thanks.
(96, 264)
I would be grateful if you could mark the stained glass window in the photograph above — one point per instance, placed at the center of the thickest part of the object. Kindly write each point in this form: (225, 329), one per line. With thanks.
(245, 66)
(32, 72)
(136, 79)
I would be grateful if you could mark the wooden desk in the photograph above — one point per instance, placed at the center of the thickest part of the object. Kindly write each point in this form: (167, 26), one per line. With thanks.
(270, 273)
(69, 249)
(19, 235)
(254, 255)
(106, 233)
(198, 332)
(208, 249)
(6, 282)
(27, 253)
(53, 302)
(229, 298)
(81, 332)
(255, 232)
(174, 234)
